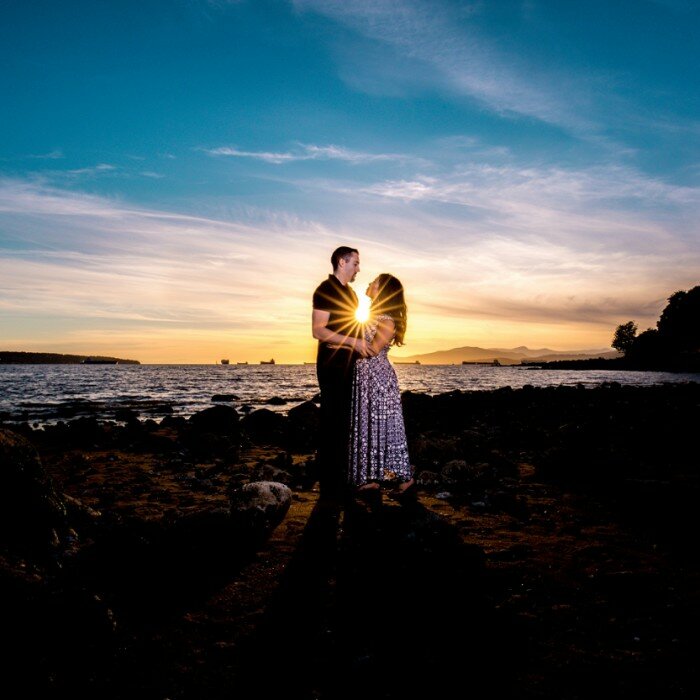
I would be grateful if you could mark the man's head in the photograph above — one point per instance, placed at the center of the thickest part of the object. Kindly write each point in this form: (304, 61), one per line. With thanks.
(346, 263)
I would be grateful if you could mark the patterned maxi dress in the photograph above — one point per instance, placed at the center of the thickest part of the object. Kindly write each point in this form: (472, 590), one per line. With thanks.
(377, 432)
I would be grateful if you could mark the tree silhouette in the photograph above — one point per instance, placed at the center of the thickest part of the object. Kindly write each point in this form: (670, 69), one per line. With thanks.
(675, 342)
(624, 336)
(648, 349)
(679, 324)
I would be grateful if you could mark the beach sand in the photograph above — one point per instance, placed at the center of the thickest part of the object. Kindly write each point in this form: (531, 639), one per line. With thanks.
(549, 554)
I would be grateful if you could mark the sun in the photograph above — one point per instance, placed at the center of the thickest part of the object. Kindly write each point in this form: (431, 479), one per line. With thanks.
(362, 313)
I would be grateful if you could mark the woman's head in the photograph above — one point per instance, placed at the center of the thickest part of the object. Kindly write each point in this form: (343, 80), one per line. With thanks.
(387, 297)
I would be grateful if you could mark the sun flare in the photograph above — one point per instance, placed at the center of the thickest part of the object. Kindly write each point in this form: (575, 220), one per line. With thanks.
(362, 313)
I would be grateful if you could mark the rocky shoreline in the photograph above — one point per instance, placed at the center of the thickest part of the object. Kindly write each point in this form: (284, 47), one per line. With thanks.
(549, 554)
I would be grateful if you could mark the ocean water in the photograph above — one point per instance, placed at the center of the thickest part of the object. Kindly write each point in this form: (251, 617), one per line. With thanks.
(48, 393)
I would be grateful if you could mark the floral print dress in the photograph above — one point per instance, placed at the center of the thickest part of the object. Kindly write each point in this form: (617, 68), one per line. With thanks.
(378, 449)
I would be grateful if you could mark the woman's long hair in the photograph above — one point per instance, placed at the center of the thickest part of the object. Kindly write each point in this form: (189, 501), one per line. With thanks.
(390, 301)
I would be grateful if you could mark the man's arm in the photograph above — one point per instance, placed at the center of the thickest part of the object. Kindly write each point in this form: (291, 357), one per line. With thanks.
(320, 331)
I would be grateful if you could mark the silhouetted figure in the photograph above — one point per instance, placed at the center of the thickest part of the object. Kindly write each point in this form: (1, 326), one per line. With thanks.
(339, 345)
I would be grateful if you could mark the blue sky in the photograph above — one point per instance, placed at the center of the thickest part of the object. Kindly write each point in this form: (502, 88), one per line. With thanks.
(175, 174)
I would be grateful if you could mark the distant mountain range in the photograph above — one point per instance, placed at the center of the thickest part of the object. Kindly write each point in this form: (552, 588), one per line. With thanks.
(506, 356)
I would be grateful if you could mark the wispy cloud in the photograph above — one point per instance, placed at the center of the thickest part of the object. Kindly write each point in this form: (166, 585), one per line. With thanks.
(56, 154)
(310, 152)
(98, 169)
(464, 61)
(545, 309)
(609, 206)
(570, 187)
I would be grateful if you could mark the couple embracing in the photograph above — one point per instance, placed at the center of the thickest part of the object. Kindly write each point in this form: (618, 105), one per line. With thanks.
(362, 436)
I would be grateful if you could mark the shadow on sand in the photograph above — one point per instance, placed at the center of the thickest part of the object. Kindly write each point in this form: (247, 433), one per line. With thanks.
(380, 601)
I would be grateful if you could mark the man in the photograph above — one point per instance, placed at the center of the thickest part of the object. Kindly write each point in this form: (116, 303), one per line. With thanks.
(339, 346)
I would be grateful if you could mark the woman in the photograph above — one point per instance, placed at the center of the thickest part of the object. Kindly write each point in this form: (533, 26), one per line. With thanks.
(378, 449)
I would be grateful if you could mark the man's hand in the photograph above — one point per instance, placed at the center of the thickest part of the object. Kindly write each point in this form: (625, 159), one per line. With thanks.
(365, 349)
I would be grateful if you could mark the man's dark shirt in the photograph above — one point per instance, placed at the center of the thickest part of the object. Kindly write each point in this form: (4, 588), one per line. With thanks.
(341, 303)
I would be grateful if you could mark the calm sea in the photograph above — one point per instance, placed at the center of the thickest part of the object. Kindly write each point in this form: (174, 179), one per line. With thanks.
(47, 393)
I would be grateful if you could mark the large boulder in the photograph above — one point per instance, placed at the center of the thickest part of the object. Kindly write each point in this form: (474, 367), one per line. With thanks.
(33, 517)
(305, 415)
(87, 431)
(303, 421)
(264, 426)
(257, 508)
(222, 420)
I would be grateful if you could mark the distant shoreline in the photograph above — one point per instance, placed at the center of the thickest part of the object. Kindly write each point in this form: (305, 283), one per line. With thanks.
(52, 358)
(613, 365)
(619, 365)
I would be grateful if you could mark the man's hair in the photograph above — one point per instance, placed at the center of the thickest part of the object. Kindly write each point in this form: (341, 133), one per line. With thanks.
(342, 253)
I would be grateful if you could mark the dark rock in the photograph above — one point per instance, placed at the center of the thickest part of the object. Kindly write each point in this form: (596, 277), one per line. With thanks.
(176, 422)
(211, 445)
(161, 409)
(224, 397)
(269, 472)
(459, 473)
(430, 451)
(303, 422)
(305, 473)
(161, 441)
(134, 431)
(222, 420)
(86, 431)
(125, 414)
(473, 443)
(428, 479)
(264, 425)
(502, 466)
(417, 410)
(33, 517)
(304, 415)
(276, 401)
(260, 506)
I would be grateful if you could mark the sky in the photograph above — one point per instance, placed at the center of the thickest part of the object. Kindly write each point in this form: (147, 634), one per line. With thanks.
(174, 174)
